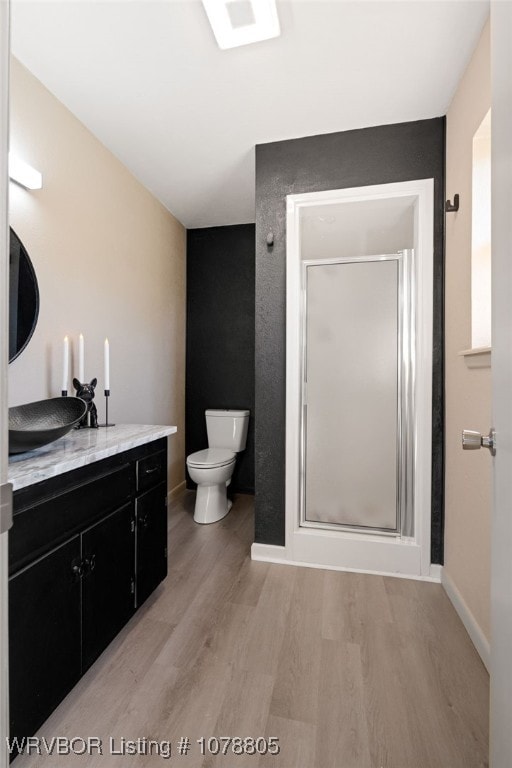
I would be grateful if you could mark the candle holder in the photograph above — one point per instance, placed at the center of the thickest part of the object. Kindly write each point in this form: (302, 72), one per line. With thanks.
(106, 424)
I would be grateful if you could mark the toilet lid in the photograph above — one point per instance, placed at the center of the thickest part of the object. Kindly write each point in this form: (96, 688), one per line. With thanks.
(211, 457)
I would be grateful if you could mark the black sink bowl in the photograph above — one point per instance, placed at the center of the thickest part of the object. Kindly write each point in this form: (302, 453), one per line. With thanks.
(35, 424)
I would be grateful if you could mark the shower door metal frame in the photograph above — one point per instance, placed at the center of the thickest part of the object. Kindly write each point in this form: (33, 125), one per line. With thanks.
(406, 311)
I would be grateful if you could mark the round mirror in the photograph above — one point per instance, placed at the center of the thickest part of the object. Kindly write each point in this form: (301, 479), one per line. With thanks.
(23, 297)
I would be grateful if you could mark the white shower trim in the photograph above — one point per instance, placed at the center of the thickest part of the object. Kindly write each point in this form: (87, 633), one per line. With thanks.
(271, 553)
(344, 550)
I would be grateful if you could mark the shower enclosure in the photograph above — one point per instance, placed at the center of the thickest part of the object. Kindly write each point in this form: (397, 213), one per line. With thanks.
(359, 368)
(357, 393)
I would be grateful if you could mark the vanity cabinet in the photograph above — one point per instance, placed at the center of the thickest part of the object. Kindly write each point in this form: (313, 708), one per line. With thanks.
(86, 549)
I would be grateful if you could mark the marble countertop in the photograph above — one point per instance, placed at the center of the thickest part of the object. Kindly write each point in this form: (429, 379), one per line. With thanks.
(78, 448)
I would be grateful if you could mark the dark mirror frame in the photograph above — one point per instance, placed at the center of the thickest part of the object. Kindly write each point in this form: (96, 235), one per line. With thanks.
(23, 297)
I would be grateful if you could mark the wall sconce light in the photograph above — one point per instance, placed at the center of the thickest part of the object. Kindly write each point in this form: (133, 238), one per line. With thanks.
(240, 22)
(23, 173)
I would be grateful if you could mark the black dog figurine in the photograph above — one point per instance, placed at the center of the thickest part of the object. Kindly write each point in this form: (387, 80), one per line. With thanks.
(86, 393)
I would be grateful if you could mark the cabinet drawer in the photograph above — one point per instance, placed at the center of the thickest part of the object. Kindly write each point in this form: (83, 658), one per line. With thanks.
(151, 470)
(42, 527)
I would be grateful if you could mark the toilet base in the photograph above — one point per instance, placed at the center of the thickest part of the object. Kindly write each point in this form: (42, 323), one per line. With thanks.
(212, 503)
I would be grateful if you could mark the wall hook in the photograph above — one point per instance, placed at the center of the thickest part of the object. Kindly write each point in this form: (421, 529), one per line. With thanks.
(270, 239)
(452, 207)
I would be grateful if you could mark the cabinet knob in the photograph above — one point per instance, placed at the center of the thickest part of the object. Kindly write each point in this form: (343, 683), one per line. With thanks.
(84, 566)
(77, 569)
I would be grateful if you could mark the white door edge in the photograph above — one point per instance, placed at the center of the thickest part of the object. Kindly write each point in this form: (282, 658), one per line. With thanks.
(4, 282)
(501, 542)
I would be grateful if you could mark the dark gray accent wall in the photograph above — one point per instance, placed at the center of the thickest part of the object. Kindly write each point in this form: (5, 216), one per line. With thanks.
(378, 155)
(220, 335)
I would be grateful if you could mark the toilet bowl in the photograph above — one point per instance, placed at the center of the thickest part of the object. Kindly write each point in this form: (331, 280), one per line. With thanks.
(213, 467)
(211, 470)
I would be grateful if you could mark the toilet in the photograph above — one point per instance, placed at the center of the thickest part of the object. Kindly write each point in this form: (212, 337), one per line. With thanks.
(213, 467)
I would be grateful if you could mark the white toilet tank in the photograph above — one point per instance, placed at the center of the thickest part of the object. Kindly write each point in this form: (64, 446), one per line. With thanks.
(227, 429)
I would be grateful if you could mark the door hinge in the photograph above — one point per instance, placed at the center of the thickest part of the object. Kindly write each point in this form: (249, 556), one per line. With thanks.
(132, 526)
(132, 586)
(165, 553)
(5, 507)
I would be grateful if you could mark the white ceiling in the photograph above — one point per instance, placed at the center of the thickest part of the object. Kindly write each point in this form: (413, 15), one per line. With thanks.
(148, 80)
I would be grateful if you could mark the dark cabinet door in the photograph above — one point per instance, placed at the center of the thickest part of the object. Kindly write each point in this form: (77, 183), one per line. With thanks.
(108, 583)
(151, 540)
(44, 636)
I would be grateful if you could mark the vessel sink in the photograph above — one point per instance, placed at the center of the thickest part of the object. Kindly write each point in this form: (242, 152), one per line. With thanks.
(35, 424)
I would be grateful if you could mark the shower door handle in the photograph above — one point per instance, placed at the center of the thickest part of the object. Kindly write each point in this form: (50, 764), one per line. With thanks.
(472, 440)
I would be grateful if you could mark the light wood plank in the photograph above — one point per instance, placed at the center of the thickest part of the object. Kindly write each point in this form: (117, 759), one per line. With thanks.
(243, 714)
(295, 695)
(246, 589)
(354, 603)
(342, 733)
(264, 636)
(436, 654)
(296, 743)
(347, 670)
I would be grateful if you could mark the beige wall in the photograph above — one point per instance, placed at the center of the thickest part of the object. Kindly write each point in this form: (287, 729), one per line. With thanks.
(468, 390)
(110, 261)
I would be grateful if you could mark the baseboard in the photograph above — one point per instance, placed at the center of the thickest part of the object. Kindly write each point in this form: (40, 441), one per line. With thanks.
(176, 491)
(436, 573)
(271, 553)
(478, 638)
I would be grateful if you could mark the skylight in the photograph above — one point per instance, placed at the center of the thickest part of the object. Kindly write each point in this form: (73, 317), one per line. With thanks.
(241, 22)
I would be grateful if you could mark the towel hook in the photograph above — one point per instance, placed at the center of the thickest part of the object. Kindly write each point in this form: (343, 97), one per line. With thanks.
(450, 207)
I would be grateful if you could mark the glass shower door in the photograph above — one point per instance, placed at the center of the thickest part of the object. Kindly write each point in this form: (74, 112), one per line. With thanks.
(355, 330)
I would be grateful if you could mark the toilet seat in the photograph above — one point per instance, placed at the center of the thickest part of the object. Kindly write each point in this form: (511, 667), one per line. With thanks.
(211, 458)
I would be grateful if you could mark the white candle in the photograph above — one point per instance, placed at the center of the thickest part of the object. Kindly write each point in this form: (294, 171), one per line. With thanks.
(81, 359)
(65, 364)
(107, 364)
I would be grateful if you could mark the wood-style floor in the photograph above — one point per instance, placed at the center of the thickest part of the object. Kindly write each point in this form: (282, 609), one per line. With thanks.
(346, 670)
